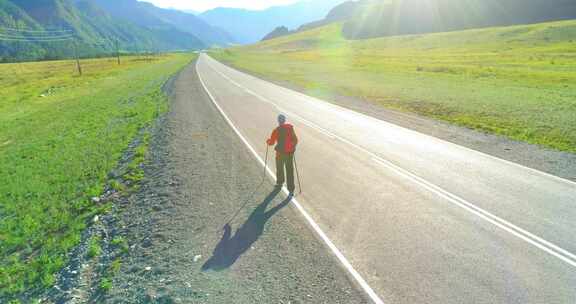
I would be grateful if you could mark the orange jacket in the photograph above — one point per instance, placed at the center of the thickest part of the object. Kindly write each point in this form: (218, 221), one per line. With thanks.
(285, 139)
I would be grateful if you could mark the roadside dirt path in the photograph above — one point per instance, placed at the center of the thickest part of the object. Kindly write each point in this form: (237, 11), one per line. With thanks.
(198, 175)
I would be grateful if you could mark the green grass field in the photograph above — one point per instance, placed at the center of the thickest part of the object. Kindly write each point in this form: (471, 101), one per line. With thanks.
(517, 81)
(60, 135)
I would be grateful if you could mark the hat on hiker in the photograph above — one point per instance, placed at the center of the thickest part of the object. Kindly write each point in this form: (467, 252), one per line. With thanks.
(281, 119)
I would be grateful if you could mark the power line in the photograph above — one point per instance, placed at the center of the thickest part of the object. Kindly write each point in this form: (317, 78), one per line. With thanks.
(53, 36)
(35, 31)
(24, 35)
(34, 37)
(35, 40)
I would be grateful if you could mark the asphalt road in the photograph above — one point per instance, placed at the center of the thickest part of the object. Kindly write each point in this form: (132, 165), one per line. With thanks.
(420, 219)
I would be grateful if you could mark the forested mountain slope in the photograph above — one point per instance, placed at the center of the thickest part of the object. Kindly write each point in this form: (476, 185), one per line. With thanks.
(48, 29)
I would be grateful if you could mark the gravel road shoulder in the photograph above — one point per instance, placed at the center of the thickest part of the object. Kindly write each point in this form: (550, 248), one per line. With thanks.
(197, 176)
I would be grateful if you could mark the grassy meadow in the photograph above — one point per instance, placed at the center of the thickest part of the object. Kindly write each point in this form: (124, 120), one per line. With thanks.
(517, 81)
(60, 135)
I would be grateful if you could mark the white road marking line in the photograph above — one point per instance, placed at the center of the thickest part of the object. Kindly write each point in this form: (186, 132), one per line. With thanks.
(557, 178)
(373, 296)
(524, 235)
(307, 122)
(495, 220)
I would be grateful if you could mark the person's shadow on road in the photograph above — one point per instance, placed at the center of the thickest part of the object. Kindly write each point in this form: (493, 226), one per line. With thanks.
(229, 249)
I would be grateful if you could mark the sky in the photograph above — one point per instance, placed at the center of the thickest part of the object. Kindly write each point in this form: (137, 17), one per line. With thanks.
(203, 5)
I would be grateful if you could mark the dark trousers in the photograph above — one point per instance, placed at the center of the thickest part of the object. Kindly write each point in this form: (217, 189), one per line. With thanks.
(285, 161)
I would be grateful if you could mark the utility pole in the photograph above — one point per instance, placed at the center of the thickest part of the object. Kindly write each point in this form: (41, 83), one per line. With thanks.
(117, 51)
(77, 58)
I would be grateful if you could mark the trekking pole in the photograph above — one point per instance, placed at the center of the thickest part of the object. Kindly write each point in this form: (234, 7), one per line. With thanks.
(297, 175)
(256, 189)
(265, 163)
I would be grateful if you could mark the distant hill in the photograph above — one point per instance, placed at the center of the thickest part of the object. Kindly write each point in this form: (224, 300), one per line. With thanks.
(341, 12)
(277, 32)
(249, 26)
(189, 11)
(378, 18)
(98, 25)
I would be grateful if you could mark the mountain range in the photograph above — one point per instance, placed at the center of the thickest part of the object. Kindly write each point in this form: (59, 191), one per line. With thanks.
(97, 26)
(149, 16)
(249, 26)
(378, 18)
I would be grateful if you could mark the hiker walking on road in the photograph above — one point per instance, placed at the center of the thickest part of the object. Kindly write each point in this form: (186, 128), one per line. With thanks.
(285, 139)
